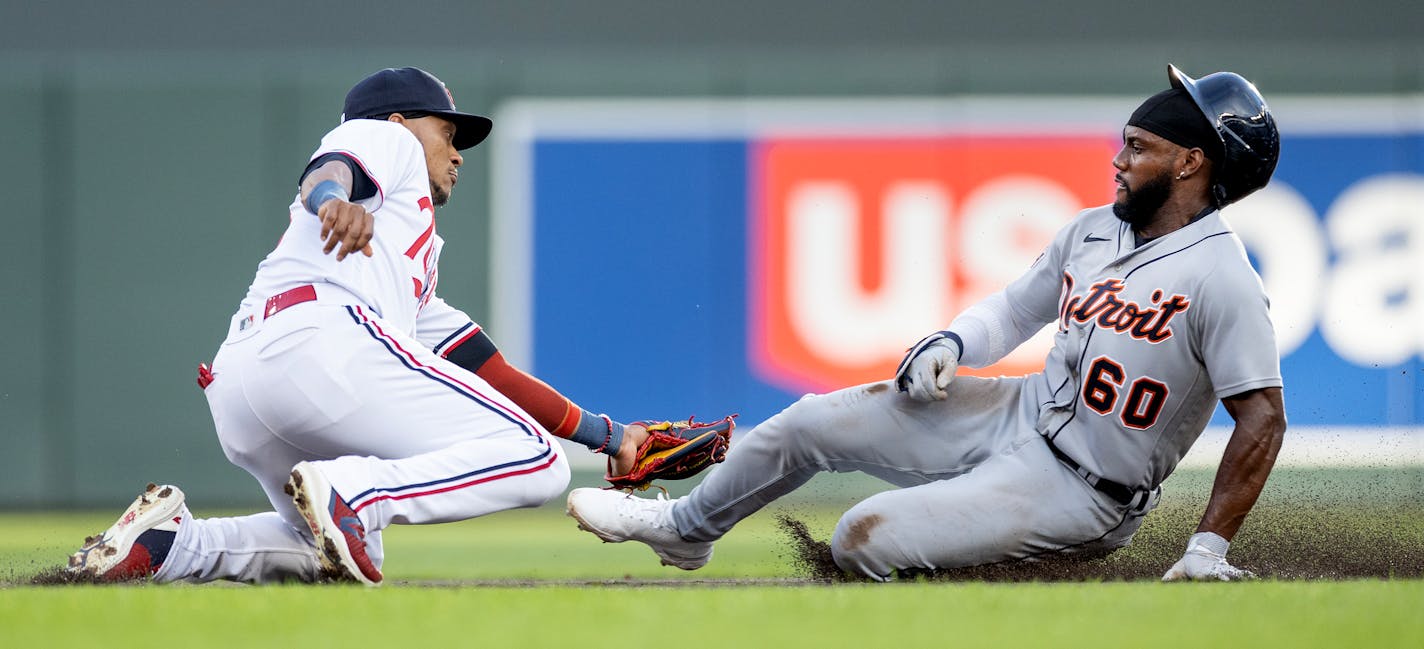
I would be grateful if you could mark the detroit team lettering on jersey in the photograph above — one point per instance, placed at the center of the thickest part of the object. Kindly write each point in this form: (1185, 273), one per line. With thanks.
(1148, 340)
(1103, 305)
(399, 279)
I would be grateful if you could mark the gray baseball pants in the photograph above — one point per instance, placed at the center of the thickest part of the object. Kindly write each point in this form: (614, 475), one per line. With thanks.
(979, 485)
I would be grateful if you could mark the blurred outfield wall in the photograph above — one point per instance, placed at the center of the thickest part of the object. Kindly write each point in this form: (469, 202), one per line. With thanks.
(148, 156)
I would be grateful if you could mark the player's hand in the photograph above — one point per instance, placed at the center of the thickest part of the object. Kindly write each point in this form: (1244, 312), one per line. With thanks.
(346, 228)
(928, 369)
(1205, 560)
(633, 436)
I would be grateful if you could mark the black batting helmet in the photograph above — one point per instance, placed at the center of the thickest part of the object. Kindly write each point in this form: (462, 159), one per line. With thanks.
(1243, 122)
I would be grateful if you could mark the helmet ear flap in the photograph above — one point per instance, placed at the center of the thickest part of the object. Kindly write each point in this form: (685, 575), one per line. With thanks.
(1244, 123)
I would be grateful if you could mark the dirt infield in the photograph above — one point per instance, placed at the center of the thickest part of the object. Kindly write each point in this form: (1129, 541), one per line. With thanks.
(1292, 543)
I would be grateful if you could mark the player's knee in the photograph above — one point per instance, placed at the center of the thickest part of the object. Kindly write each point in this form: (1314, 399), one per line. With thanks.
(249, 458)
(792, 430)
(547, 483)
(863, 545)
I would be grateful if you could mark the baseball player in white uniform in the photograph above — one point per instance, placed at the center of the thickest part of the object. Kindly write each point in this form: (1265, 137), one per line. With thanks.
(354, 394)
(1159, 315)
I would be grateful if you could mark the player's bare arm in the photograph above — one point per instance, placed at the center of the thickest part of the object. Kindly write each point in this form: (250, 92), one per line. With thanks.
(345, 226)
(1250, 454)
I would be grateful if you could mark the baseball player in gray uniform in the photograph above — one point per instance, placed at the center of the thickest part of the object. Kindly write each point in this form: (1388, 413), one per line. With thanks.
(1159, 315)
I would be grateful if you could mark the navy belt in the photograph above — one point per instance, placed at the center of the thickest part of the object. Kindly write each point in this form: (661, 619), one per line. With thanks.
(1122, 493)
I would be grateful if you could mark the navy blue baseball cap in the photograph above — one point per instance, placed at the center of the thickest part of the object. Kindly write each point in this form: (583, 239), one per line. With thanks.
(406, 90)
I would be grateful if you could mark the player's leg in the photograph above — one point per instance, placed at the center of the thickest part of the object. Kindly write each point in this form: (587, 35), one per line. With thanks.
(158, 536)
(1020, 504)
(316, 384)
(870, 428)
(406, 436)
(392, 433)
(266, 547)
(259, 548)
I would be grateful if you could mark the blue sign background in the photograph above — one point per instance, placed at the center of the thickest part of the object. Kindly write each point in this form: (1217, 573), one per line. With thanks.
(640, 283)
(641, 295)
(1321, 387)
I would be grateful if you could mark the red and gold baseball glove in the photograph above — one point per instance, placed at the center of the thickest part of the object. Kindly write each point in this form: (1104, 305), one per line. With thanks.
(675, 450)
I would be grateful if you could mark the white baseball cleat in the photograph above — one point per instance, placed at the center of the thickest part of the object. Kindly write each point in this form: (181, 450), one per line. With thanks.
(616, 517)
(137, 544)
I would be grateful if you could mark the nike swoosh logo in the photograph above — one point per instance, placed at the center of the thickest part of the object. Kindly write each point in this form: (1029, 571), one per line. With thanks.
(1090, 238)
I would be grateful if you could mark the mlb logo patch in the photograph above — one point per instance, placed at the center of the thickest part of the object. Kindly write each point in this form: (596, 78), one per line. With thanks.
(245, 323)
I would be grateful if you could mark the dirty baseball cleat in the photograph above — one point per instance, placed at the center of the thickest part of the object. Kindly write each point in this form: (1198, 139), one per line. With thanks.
(136, 545)
(615, 517)
(340, 536)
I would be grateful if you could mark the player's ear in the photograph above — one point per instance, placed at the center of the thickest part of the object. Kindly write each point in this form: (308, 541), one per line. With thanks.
(396, 117)
(1191, 162)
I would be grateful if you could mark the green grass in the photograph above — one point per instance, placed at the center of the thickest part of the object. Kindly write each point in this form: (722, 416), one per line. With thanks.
(1336, 614)
(529, 578)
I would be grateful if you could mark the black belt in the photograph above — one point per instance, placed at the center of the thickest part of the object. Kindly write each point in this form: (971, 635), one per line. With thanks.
(1122, 493)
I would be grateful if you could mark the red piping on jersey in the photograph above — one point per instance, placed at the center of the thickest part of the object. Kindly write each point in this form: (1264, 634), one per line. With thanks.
(451, 347)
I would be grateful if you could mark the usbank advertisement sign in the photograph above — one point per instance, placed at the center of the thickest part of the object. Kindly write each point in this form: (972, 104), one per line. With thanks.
(668, 258)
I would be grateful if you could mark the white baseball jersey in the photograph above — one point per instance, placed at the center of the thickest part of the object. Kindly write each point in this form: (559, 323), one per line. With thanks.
(398, 280)
(1148, 340)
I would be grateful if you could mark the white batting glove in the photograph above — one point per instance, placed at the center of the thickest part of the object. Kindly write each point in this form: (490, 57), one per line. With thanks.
(1206, 560)
(928, 368)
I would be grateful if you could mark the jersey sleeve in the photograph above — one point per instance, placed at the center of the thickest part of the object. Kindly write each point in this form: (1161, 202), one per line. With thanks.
(1234, 334)
(386, 153)
(995, 326)
(443, 328)
(362, 186)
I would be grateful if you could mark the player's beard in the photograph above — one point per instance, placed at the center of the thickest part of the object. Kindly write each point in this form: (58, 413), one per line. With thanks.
(1140, 206)
(439, 196)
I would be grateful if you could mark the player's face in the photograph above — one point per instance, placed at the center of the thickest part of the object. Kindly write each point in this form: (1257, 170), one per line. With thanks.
(1144, 178)
(437, 137)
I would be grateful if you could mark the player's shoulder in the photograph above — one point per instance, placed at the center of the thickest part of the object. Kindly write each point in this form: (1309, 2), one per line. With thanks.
(1215, 232)
(1093, 223)
(1225, 264)
(375, 128)
(1097, 218)
(368, 133)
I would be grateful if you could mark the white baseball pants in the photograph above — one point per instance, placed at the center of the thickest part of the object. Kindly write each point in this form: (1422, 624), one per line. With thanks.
(403, 435)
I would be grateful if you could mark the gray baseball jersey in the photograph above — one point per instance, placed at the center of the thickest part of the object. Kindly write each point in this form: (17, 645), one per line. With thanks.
(1149, 338)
